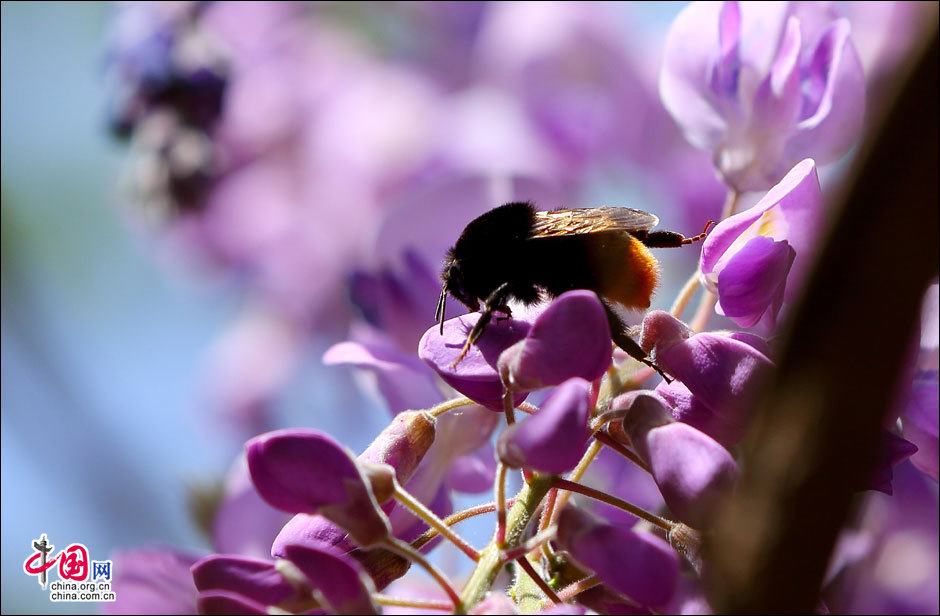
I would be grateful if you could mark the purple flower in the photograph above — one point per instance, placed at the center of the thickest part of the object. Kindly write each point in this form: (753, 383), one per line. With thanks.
(224, 602)
(475, 376)
(573, 76)
(898, 574)
(305, 471)
(340, 581)
(690, 409)
(423, 476)
(554, 439)
(571, 338)
(747, 258)
(920, 422)
(153, 581)
(746, 82)
(717, 375)
(244, 523)
(894, 450)
(254, 579)
(638, 565)
(692, 470)
(402, 380)
(401, 445)
(249, 365)
(614, 475)
(397, 303)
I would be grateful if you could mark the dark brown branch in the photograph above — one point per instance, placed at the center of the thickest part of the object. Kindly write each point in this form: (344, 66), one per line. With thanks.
(817, 432)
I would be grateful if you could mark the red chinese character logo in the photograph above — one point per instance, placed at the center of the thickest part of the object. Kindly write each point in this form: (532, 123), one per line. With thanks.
(39, 563)
(73, 564)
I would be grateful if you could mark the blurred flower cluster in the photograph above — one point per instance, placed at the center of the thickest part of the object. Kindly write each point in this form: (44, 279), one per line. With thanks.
(325, 155)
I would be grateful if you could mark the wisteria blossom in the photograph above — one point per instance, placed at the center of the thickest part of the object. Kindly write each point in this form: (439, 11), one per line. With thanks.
(750, 258)
(752, 84)
(322, 157)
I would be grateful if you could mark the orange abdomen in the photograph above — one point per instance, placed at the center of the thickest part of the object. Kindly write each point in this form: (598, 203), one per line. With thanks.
(630, 273)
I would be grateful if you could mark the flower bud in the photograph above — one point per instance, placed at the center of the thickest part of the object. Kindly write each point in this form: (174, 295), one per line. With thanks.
(339, 580)
(226, 602)
(691, 469)
(571, 338)
(722, 373)
(305, 471)
(402, 444)
(638, 565)
(554, 439)
(255, 579)
(381, 479)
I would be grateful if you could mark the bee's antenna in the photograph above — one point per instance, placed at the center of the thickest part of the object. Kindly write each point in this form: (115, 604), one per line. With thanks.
(441, 304)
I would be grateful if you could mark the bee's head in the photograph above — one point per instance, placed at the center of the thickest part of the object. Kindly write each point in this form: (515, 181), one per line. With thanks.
(453, 283)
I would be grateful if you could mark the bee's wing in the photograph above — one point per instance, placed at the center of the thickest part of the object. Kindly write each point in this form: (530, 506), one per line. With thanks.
(582, 221)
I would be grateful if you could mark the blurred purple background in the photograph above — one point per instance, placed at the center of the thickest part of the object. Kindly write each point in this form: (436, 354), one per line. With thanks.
(166, 297)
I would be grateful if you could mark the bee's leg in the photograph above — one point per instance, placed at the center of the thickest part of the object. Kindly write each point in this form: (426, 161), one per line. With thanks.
(618, 332)
(505, 311)
(669, 239)
(496, 301)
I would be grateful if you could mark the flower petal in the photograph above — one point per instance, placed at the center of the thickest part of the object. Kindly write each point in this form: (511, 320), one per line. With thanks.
(554, 439)
(255, 579)
(684, 81)
(921, 423)
(796, 201)
(690, 410)
(571, 338)
(402, 381)
(396, 303)
(834, 109)
(638, 565)
(227, 602)
(720, 371)
(473, 473)
(306, 471)
(495, 602)
(341, 582)
(244, 523)
(692, 470)
(894, 450)
(475, 376)
(152, 581)
(754, 280)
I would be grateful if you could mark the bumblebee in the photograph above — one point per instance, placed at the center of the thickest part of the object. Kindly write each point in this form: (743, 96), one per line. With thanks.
(516, 252)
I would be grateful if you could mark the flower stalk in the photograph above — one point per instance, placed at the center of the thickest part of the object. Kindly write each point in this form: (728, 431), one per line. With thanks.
(428, 516)
(525, 505)
(652, 518)
(406, 551)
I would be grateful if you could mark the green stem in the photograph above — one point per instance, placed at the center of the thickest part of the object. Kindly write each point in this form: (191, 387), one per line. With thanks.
(449, 405)
(417, 604)
(430, 518)
(456, 518)
(490, 563)
(529, 589)
(500, 494)
(708, 301)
